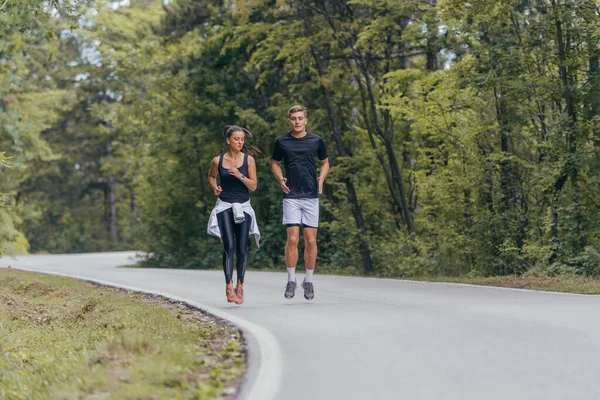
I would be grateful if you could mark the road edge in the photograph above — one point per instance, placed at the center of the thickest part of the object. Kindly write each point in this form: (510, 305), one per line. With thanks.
(263, 375)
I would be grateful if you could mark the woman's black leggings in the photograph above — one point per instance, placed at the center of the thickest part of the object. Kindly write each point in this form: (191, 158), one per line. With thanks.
(235, 239)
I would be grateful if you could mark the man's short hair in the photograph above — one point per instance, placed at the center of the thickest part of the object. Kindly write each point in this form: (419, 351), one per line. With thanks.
(297, 108)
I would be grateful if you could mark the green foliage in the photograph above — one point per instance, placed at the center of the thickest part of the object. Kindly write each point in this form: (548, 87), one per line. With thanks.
(463, 136)
(586, 263)
(29, 101)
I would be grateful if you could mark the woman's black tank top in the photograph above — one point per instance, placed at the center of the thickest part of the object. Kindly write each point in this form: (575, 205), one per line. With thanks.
(234, 190)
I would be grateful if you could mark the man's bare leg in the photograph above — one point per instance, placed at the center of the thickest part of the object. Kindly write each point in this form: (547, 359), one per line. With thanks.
(310, 259)
(291, 259)
(310, 248)
(291, 246)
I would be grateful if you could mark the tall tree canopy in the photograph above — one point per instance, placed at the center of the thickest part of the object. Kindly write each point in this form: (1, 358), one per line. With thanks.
(463, 136)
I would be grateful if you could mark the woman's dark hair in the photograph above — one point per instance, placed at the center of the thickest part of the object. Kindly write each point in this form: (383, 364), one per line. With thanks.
(229, 129)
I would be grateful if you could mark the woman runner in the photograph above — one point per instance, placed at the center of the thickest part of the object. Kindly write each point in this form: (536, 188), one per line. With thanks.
(233, 220)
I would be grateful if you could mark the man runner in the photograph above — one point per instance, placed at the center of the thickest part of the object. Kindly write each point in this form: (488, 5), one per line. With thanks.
(299, 151)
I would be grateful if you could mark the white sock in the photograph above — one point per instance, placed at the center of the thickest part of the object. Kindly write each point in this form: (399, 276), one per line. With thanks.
(291, 274)
(309, 273)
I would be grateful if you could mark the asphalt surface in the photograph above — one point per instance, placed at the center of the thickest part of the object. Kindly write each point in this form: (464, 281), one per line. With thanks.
(382, 339)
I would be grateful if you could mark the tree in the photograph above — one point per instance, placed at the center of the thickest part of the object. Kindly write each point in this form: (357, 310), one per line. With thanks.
(27, 33)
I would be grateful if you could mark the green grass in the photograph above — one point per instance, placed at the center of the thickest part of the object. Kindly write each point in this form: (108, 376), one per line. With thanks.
(65, 339)
(560, 283)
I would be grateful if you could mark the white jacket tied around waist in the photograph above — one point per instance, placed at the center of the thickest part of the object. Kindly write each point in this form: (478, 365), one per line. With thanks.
(238, 215)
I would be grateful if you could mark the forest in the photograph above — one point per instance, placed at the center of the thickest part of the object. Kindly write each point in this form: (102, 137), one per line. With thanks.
(463, 136)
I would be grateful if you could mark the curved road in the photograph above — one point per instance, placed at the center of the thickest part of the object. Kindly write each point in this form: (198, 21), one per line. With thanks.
(383, 339)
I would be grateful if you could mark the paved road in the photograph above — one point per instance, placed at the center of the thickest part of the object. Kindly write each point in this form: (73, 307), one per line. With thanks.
(384, 339)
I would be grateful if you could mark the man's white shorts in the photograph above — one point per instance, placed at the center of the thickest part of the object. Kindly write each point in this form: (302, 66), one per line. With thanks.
(301, 212)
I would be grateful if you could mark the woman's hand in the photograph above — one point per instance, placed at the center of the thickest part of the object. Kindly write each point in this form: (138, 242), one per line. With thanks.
(235, 172)
(217, 190)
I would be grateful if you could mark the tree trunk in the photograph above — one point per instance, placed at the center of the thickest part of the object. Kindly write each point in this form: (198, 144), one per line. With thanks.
(112, 203)
(337, 136)
(399, 215)
(569, 81)
(594, 79)
(432, 48)
(399, 181)
(385, 135)
(358, 63)
(595, 83)
(512, 206)
(132, 217)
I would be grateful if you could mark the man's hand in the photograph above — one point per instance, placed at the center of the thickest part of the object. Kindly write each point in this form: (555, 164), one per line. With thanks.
(284, 187)
(320, 183)
(217, 190)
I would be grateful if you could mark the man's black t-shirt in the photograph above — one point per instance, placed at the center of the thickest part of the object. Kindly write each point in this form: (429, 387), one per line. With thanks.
(299, 157)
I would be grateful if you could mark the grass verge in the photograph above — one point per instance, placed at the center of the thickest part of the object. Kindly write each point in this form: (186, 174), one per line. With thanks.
(561, 283)
(65, 339)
